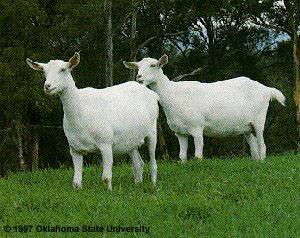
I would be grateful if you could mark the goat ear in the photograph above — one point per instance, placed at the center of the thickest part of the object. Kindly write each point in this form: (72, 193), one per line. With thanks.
(74, 61)
(34, 65)
(131, 65)
(162, 61)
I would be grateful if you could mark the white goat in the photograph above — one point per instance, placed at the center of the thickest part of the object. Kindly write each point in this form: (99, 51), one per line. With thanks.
(225, 108)
(113, 120)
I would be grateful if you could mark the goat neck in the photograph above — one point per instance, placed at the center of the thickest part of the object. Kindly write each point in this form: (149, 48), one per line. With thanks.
(71, 101)
(161, 85)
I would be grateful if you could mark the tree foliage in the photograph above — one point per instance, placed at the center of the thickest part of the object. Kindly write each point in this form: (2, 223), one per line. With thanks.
(225, 39)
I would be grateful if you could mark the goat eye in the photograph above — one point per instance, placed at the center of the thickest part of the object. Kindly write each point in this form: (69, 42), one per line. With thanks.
(153, 65)
(63, 70)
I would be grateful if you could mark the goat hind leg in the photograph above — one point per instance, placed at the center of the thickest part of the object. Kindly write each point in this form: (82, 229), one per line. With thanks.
(183, 144)
(259, 130)
(252, 141)
(138, 165)
(198, 141)
(152, 141)
(261, 144)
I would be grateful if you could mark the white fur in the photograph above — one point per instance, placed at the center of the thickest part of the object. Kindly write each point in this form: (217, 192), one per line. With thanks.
(225, 108)
(113, 120)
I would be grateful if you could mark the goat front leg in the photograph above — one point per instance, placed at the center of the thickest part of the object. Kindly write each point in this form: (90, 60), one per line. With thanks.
(107, 158)
(78, 162)
(183, 144)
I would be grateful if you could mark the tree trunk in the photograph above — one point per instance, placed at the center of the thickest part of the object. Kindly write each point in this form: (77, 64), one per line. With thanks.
(133, 38)
(208, 23)
(294, 35)
(32, 146)
(20, 142)
(35, 149)
(109, 44)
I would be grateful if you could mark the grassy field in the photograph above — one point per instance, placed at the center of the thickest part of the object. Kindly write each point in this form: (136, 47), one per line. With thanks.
(231, 197)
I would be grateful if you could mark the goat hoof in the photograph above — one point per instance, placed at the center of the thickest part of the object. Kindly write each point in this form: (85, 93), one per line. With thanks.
(138, 181)
(108, 182)
(77, 185)
(197, 158)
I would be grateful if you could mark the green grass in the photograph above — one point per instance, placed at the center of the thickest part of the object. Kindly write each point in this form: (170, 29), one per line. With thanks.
(209, 198)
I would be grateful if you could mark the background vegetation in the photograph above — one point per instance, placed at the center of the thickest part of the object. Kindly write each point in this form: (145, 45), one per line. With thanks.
(224, 38)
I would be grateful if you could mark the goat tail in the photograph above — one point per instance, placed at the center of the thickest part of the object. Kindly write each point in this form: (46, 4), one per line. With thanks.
(278, 96)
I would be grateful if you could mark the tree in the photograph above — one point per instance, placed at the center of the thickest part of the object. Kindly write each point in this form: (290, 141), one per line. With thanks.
(293, 21)
(215, 36)
(282, 16)
(133, 37)
(109, 44)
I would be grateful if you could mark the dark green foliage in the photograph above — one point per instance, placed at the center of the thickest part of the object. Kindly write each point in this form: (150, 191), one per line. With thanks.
(220, 40)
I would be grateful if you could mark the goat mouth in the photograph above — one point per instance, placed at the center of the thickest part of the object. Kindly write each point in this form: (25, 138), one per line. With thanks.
(50, 91)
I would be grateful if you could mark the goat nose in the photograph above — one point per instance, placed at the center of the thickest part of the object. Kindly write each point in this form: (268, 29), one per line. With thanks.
(138, 76)
(47, 85)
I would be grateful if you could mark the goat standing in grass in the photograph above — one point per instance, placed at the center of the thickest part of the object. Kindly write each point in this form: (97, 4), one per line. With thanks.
(113, 120)
(225, 108)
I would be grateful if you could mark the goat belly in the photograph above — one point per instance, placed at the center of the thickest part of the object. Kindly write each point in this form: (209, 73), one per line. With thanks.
(124, 148)
(226, 130)
(124, 143)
